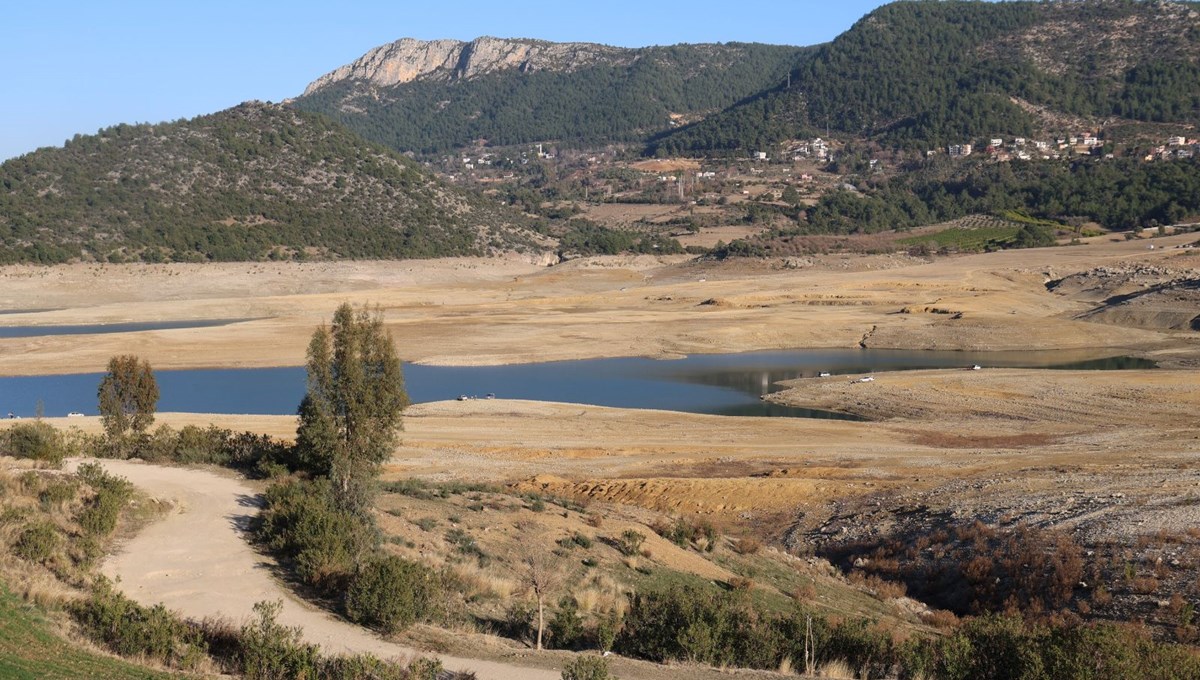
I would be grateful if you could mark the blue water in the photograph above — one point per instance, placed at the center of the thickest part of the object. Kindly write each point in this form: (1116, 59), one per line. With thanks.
(88, 329)
(722, 384)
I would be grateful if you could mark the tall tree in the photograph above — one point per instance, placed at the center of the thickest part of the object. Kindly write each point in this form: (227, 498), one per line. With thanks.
(350, 415)
(128, 396)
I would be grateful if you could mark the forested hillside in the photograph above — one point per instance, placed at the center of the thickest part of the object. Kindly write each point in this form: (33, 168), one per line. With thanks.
(250, 182)
(924, 73)
(615, 95)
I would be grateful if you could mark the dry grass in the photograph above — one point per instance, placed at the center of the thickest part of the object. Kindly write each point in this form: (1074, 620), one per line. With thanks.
(747, 546)
(836, 669)
(477, 581)
(946, 440)
(601, 594)
(941, 619)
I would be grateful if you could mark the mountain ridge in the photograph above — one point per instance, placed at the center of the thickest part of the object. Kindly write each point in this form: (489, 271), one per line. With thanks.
(921, 73)
(409, 59)
(431, 96)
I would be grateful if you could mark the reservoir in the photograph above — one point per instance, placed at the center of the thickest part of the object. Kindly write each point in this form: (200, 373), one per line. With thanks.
(719, 384)
(90, 329)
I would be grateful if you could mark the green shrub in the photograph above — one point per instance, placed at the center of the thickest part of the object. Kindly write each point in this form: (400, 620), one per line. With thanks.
(389, 593)
(301, 521)
(607, 629)
(196, 445)
(630, 542)
(566, 626)
(272, 651)
(865, 648)
(100, 514)
(34, 441)
(56, 494)
(38, 542)
(465, 544)
(519, 621)
(129, 629)
(587, 668)
(360, 667)
(683, 532)
(425, 668)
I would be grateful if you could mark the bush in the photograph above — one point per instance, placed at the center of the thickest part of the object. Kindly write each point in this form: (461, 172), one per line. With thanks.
(38, 542)
(425, 668)
(519, 621)
(587, 668)
(566, 626)
(56, 494)
(630, 542)
(607, 629)
(256, 455)
(389, 593)
(34, 441)
(270, 650)
(99, 516)
(361, 667)
(684, 532)
(129, 629)
(301, 522)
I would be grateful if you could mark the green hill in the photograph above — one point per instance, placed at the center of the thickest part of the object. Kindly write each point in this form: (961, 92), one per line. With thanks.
(433, 96)
(925, 73)
(251, 182)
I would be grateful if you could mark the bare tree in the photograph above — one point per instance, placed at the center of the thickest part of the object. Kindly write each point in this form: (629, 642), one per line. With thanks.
(541, 575)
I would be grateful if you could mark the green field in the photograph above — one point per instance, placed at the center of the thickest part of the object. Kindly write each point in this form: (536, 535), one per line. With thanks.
(29, 650)
(967, 239)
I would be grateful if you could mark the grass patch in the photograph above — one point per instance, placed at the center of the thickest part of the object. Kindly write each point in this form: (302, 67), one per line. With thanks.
(973, 239)
(29, 650)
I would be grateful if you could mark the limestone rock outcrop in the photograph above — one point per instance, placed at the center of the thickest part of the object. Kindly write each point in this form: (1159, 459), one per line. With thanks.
(409, 59)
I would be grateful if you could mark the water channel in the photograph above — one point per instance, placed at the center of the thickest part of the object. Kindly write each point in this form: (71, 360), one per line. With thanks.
(721, 384)
(92, 329)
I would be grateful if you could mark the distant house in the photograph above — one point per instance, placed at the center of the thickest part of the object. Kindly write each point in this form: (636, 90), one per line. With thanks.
(997, 142)
(1091, 141)
(1019, 141)
(760, 155)
(959, 150)
(1176, 141)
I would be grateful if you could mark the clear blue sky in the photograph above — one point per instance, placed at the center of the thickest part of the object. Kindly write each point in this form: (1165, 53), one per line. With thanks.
(76, 66)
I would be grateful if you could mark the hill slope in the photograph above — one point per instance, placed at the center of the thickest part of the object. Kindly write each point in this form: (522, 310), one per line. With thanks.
(928, 73)
(432, 96)
(253, 181)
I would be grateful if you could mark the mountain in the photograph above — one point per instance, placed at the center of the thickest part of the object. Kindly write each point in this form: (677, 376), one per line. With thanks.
(429, 97)
(254, 181)
(921, 73)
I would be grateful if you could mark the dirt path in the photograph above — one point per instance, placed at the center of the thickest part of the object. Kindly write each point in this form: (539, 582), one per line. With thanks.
(197, 562)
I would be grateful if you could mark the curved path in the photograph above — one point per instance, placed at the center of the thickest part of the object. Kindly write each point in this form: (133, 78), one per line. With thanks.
(196, 561)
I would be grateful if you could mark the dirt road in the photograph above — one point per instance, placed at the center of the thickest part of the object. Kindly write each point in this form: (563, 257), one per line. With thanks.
(197, 562)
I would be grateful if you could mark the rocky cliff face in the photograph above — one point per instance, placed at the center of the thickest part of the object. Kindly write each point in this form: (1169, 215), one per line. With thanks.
(408, 59)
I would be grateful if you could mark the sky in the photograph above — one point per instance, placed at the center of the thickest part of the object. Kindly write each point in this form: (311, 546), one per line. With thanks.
(78, 66)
